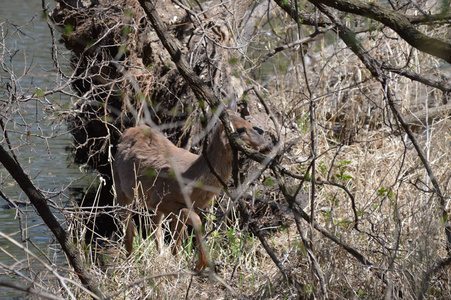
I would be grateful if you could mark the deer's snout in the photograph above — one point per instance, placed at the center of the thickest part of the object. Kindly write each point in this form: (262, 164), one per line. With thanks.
(266, 148)
(253, 137)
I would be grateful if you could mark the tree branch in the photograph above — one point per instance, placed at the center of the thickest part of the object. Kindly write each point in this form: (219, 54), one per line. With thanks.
(395, 21)
(200, 88)
(443, 85)
(30, 290)
(304, 19)
(426, 19)
(39, 202)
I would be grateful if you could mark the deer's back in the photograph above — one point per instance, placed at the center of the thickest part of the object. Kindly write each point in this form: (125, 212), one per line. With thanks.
(143, 151)
(151, 149)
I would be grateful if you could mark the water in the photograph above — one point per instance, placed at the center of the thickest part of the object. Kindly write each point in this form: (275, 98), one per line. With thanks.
(39, 139)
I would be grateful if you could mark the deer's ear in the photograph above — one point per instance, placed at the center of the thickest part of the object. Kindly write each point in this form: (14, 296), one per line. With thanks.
(232, 104)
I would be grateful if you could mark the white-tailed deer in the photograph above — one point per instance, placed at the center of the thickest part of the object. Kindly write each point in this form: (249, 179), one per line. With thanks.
(173, 180)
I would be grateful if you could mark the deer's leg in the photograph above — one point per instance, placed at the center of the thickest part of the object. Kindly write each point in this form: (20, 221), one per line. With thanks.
(130, 230)
(130, 233)
(156, 221)
(126, 217)
(178, 229)
(193, 219)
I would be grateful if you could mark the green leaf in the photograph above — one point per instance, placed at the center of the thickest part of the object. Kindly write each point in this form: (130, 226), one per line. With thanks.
(268, 182)
(39, 93)
(151, 173)
(68, 29)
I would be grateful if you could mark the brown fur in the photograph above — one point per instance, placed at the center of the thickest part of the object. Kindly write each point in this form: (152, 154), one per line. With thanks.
(193, 186)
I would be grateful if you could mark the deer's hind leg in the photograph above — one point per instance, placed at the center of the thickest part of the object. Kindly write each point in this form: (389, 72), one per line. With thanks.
(189, 217)
(156, 221)
(126, 216)
(130, 233)
(193, 219)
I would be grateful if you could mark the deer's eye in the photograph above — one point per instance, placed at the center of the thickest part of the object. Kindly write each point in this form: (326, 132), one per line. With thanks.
(259, 130)
(241, 130)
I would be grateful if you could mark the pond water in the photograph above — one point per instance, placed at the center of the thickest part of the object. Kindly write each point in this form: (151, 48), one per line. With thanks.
(39, 138)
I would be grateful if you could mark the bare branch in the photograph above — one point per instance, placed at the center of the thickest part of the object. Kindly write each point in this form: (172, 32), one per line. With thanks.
(395, 21)
(30, 290)
(39, 202)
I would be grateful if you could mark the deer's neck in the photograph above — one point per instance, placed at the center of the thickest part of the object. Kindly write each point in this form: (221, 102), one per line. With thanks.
(219, 155)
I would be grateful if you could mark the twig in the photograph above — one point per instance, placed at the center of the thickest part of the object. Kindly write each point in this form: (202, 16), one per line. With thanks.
(350, 195)
(443, 85)
(30, 290)
(317, 35)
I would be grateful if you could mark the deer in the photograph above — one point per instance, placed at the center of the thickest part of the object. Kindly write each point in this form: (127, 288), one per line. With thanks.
(180, 182)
